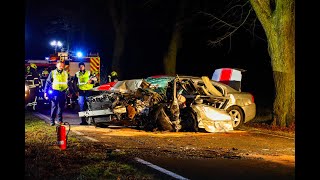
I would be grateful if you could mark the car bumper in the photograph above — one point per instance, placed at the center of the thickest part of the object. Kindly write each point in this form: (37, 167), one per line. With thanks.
(249, 112)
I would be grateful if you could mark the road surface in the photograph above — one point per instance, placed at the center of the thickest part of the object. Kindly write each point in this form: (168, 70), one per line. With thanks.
(187, 155)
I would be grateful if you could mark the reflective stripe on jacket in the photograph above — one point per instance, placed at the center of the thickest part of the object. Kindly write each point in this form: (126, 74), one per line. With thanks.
(83, 79)
(60, 80)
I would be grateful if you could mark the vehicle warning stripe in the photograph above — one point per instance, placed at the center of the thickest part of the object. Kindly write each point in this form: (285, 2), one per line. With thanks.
(94, 63)
(226, 74)
(95, 66)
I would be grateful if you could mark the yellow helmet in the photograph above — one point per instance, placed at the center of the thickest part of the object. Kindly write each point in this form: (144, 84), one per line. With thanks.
(34, 66)
(45, 72)
(113, 73)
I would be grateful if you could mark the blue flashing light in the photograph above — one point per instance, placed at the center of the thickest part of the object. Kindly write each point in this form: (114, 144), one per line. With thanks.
(79, 54)
(50, 91)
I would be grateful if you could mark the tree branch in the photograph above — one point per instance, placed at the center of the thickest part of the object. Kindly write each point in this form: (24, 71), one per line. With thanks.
(219, 20)
(229, 34)
(235, 7)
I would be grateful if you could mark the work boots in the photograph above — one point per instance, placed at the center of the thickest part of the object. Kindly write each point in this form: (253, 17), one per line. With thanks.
(83, 121)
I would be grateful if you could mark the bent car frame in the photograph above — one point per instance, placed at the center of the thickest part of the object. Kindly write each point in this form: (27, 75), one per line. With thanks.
(175, 103)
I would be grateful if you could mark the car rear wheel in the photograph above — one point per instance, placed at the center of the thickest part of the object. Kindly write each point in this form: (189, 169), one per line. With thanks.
(237, 114)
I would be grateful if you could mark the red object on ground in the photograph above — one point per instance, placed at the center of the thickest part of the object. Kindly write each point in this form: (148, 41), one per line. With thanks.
(61, 137)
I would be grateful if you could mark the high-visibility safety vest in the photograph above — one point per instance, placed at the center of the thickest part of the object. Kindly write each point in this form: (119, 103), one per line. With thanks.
(60, 80)
(83, 79)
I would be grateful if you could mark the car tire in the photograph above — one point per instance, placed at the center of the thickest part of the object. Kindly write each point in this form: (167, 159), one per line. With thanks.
(237, 113)
(190, 122)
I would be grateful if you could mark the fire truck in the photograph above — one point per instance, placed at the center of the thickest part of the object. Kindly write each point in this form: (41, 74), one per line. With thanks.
(91, 61)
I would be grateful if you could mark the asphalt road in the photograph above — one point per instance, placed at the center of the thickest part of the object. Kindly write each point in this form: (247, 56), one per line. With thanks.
(225, 168)
(206, 168)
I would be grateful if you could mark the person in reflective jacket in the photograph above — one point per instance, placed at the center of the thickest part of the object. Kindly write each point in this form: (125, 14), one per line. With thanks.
(83, 82)
(57, 81)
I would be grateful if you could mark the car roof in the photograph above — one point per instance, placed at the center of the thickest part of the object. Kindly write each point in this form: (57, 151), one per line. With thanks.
(197, 78)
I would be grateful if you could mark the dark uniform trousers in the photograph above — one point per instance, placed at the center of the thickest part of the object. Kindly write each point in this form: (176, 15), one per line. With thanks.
(57, 105)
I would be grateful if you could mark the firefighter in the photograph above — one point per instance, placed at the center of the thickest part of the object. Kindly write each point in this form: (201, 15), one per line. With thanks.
(27, 72)
(34, 66)
(32, 71)
(57, 81)
(45, 73)
(84, 81)
(113, 77)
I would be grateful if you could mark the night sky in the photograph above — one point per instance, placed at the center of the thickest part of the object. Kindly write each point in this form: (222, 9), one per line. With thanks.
(149, 31)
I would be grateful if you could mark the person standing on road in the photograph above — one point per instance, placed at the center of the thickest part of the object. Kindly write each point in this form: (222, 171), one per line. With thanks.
(57, 81)
(84, 81)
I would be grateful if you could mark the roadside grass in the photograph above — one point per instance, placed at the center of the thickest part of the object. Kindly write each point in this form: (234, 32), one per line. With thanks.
(81, 160)
(263, 120)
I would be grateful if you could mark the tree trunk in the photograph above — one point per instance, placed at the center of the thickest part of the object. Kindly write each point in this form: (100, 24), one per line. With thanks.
(119, 23)
(117, 52)
(282, 52)
(279, 25)
(170, 59)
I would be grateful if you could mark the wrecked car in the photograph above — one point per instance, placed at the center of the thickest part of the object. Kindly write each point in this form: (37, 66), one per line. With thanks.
(114, 105)
(225, 82)
(165, 103)
(240, 105)
(183, 109)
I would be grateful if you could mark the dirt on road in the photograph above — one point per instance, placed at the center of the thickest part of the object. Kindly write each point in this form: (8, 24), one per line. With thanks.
(249, 143)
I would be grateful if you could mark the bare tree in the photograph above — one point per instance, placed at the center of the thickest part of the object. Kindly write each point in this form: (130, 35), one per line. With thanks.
(182, 13)
(277, 18)
(118, 13)
(170, 59)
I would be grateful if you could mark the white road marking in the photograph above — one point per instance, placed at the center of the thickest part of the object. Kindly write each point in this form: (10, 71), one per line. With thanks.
(90, 138)
(44, 117)
(77, 132)
(172, 174)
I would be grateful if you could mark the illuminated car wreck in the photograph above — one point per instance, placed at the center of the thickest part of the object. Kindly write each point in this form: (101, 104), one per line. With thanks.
(159, 103)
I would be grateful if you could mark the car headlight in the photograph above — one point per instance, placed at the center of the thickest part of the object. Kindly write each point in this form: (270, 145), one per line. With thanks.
(26, 88)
